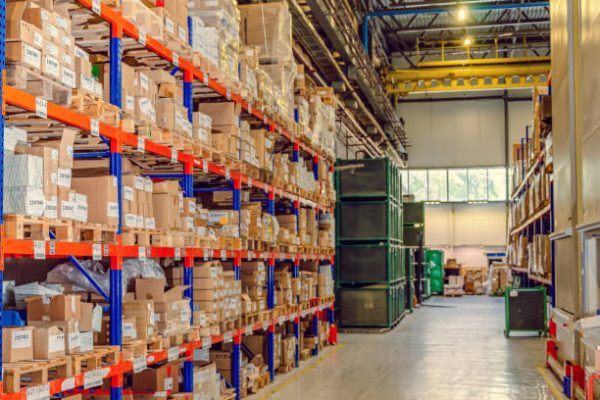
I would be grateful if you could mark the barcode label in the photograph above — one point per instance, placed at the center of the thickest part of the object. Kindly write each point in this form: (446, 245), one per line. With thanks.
(97, 251)
(142, 37)
(141, 144)
(173, 354)
(174, 156)
(39, 250)
(227, 337)
(94, 127)
(175, 59)
(96, 6)
(142, 253)
(139, 364)
(41, 392)
(41, 107)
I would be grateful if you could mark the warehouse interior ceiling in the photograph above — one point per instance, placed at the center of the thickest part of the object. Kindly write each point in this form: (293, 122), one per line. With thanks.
(431, 46)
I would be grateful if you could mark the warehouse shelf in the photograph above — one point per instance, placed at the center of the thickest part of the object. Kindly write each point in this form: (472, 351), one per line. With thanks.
(129, 29)
(547, 209)
(539, 160)
(184, 351)
(120, 144)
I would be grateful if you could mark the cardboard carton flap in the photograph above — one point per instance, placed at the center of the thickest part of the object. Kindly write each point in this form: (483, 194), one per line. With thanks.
(150, 289)
(176, 293)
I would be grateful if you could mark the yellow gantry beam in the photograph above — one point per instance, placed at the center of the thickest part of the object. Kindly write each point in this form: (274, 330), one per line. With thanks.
(461, 75)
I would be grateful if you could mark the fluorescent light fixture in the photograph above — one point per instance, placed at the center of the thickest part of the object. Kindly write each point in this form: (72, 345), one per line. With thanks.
(463, 12)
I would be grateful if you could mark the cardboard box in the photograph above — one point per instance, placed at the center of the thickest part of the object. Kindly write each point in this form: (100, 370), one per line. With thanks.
(102, 198)
(48, 342)
(70, 330)
(17, 344)
(223, 113)
(158, 378)
(143, 312)
(58, 308)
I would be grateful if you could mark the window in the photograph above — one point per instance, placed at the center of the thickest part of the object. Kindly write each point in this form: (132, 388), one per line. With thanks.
(478, 184)
(456, 184)
(497, 184)
(417, 184)
(437, 181)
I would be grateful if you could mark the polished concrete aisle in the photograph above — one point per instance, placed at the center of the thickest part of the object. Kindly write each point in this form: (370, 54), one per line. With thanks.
(452, 349)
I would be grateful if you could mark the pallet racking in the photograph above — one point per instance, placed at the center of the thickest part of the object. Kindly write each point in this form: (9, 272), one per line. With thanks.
(120, 142)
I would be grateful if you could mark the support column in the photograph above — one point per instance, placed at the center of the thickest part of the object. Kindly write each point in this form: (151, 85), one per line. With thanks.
(116, 261)
(2, 74)
(236, 363)
(297, 335)
(188, 276)
(187, 93)
(316, 166)
(315, 332)
(271, 350)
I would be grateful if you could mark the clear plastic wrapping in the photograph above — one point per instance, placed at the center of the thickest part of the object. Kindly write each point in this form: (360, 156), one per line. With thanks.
(132, 269)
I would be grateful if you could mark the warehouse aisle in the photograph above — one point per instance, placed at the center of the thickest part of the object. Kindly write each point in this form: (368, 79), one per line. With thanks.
(453, 351)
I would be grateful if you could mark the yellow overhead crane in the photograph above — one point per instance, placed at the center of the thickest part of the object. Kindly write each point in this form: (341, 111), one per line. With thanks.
(469, 74)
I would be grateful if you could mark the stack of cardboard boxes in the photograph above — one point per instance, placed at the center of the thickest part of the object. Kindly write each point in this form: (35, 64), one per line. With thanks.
(254, 280)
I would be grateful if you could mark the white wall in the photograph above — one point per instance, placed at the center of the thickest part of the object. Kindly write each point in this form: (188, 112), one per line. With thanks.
(467, 133)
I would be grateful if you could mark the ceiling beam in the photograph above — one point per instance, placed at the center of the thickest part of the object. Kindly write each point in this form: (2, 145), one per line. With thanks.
(465, 27)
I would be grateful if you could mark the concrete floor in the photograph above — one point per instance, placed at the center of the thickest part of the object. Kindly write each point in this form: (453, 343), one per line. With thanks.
(453, 350)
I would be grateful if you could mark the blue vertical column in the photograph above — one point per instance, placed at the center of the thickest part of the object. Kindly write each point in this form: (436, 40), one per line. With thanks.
(271, 350)
(188, 275)
(296, 152)
(2, 66)
(297, 336)
(316, 166)
(187, 93)
(315, 332)
(236, 363)
(116, 301)
(271, 294)
(296, 211)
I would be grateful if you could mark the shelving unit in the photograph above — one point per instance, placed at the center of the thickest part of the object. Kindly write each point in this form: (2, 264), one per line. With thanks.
(414, 236)
(370, 266)
(124, 34)
(531, 199)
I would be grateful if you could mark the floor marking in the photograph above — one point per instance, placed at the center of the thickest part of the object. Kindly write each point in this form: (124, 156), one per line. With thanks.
(302, 372)
(551, 382)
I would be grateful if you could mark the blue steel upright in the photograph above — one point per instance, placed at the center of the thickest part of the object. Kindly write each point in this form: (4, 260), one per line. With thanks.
(116, 301)
(2, 66)
(188, 192)
(297, 336)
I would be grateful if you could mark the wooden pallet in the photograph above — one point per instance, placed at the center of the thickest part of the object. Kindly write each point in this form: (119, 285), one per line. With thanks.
(24, 374)
(90, 232)
(140, 237)
(155, 343)
(134, 349)
(285, 368)
(305, 354)
(263, 380)
(87, 104)
(61, 367)
(229, 325)
(37, 228)
(252, 318)
(95, 359)
(35, 83)
(201, 150)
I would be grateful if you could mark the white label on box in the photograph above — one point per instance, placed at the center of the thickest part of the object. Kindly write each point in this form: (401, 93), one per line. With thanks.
(38, 39)
(191, 207)
(95, 127)
(52, 50)
(206, 342)
(129, 103)
(67, 209)
(150, 223)
(140, 221)
(41, 392)
(141, 144)
(148, 185)
(142, 253)
(129, 330)
(67, 60)
(112, 209)
(39, 250)
(96, 6)
(190, 222)
(173, 353)
(168, 383)
(21, 339)
(227, 337)
(174, 156)
(64, 177)
(142, 37)
(128, 193)
(61, 22)
(68, 77)
(182, 33)
(87, 83)
(97, 251)
(248, 330)
(513, 293)
(130, 220)
(144, 81)
(51, 210)
(74, 340)
(139, 364)
(41, 107)
(56, 343)
(177, 254)
(138, 183)
(52, 30)
(169, 25)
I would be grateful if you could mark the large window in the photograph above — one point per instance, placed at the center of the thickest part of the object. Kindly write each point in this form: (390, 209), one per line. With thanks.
(456, 184)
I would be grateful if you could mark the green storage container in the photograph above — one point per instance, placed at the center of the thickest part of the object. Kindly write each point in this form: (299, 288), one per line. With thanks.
(369, 221)
(373, 306)
(377, 262)
(435, 260)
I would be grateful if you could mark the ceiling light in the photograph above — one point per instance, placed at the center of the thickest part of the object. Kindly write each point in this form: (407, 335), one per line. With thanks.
(468, 41)
(463, 12)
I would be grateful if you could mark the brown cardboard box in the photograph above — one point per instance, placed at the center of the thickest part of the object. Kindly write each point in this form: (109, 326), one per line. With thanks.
(154, 289)
(143, 312)
(17, 344)
(224, 113)
(48, 342)
(59, 308)
(222, 359)
(70, 330)
(166, 211)
(24, 52)
(102, 198)
(50, 157)
(158, 378)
